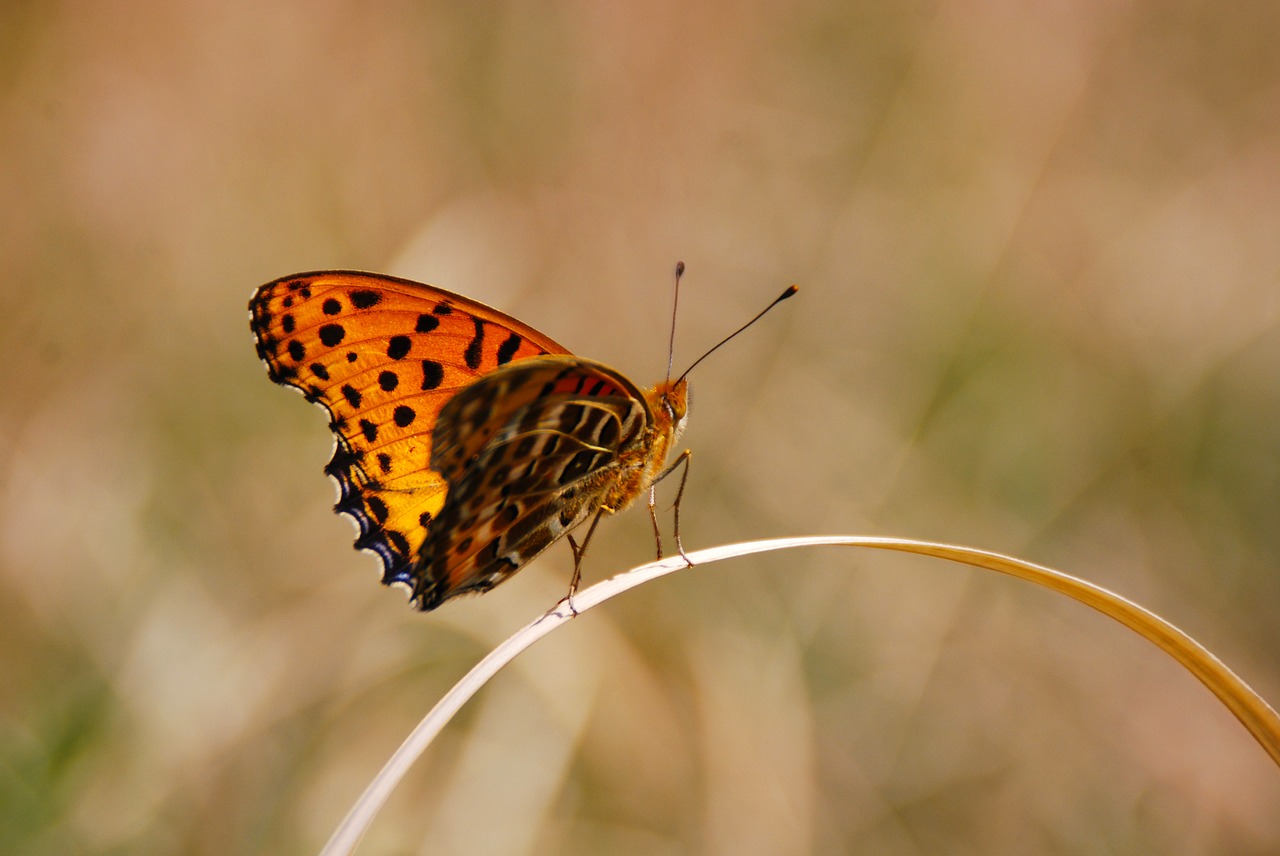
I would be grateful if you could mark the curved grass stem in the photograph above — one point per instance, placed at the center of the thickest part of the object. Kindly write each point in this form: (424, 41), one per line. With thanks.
(1251, 709)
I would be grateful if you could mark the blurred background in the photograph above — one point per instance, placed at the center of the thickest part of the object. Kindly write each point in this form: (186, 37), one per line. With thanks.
(1039, 253)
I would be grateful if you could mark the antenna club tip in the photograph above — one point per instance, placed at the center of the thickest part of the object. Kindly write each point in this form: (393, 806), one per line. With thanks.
(790, 291)
(679, 268)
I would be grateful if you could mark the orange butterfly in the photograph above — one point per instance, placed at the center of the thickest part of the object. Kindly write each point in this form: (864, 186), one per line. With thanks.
(467, 442)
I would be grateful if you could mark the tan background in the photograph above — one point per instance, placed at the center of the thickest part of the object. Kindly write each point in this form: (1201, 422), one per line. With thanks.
(1039, 248)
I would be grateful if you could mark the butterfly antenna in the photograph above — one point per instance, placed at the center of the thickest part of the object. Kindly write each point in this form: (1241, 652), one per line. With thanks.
(781, 297)
(675, 303)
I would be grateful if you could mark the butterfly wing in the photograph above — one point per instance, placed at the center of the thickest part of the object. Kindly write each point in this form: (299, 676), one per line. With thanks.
(384, 356)
(529, 452)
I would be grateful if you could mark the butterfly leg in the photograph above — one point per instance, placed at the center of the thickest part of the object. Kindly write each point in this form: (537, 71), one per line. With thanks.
(684, 477)
(681, 461)
(653, 517)
(579, 551)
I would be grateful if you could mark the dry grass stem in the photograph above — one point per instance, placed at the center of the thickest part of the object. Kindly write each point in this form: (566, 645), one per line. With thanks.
(1251, 709)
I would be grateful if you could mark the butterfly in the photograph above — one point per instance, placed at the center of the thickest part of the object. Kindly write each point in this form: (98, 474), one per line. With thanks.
(467, 441)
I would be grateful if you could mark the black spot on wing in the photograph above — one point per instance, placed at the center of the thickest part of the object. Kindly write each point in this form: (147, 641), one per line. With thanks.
(398, 347)
(377, 508)
(332, 334)
(508, 348)
(432, 374)
(475, 348)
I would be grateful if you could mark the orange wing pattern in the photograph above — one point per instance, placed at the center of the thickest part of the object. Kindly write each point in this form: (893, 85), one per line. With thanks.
(383, 356)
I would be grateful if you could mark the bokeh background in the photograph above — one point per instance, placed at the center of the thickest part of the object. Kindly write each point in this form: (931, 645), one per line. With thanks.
(1039, 251)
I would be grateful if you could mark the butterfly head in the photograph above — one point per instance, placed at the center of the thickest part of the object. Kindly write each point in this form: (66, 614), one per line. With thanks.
(669, 402)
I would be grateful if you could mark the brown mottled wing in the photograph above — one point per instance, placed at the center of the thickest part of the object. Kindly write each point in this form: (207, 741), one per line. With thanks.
(383, 356)
(529, 452)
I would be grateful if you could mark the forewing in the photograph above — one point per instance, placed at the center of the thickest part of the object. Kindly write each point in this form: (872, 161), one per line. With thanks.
(384, 356)
(528, 453)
